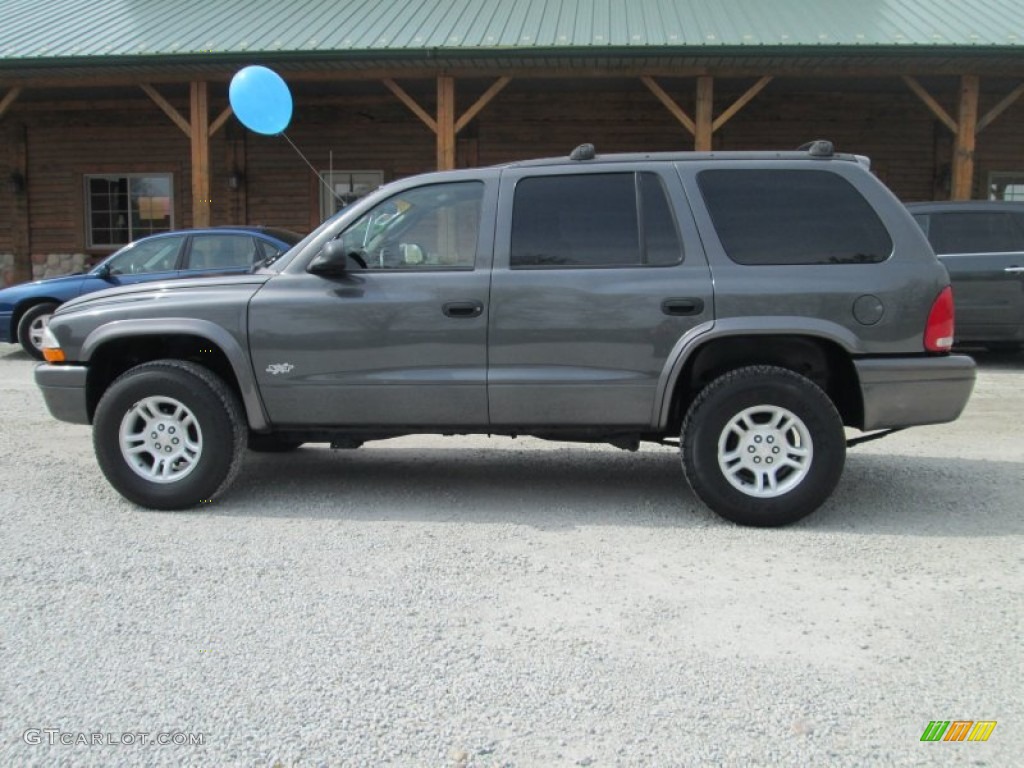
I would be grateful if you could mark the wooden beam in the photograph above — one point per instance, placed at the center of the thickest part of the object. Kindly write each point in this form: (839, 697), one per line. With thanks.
(482, 102)
(670, 104)
(168, 110)
(445, 123)
(9, 98)
(704, 113)
(410, 102)
(199, 111)
(963, 152)
(991, 115)
(222, 118)
(740, 103)
(931, 103)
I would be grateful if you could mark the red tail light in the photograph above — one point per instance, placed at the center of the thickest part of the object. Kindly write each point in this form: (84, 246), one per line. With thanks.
(938, 334)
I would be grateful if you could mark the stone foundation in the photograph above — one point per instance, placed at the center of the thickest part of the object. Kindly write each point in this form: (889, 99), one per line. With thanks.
(54, 264)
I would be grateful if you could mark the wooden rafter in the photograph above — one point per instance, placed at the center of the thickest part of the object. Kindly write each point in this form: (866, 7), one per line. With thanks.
(222, 118)
(168, 110)
(992, 114)
(9, 98)
(931, 103)
(740, 103)
(670, 104)
(410, 102)
(482, 102)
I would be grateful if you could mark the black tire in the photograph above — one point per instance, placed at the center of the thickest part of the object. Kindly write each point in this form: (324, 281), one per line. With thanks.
(217, 414)
(25, 330)
(271, 444)
(772, 392)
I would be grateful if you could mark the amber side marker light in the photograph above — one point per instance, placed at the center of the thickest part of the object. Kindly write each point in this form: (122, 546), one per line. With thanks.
(54, 355)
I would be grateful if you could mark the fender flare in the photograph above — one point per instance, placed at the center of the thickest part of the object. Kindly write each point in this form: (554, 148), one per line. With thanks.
(705, 333)
(237, 358)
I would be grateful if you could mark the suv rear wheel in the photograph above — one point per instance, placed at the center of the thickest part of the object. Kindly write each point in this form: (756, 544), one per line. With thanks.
(763, 446)
(169, 434)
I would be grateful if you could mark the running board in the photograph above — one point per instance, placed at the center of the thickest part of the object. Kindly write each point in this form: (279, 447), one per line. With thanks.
(873, 436)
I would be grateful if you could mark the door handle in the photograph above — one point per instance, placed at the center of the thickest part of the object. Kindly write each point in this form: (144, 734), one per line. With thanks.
(463, 309)
(1014, 270)
(682, 307)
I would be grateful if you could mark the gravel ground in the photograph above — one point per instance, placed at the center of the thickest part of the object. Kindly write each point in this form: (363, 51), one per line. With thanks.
(476, 602)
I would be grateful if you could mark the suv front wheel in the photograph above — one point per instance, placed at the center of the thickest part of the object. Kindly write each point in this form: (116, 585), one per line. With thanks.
(763, 446)
(169, 434)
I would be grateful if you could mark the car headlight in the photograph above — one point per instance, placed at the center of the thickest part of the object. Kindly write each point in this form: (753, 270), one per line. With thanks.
(51, 347)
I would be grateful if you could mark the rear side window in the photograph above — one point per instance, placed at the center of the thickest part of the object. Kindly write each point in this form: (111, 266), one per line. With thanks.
(593, 220)
(793, 217)
(981, 232)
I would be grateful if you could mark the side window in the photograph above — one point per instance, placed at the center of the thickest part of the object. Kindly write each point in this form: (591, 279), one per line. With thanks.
(593, 220)
(160, 255)
(431, 227)
(221, 252)
(792, 217)
(981, 232)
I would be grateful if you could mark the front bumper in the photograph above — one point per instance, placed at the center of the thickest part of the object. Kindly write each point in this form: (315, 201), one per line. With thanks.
(63, 388)
(911, 391)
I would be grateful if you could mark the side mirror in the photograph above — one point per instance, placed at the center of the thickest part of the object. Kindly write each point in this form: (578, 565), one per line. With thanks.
(332, 259)
(103, 272)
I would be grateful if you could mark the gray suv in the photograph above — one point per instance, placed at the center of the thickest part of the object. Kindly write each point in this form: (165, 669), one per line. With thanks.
(743, 306)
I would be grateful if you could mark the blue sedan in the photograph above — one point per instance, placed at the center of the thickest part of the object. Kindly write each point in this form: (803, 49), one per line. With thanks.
(26, 309)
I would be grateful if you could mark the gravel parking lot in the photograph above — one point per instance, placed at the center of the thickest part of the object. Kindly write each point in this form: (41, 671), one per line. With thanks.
(475, 602)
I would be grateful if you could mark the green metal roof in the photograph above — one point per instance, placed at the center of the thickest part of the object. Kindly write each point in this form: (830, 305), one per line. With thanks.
(38, 31)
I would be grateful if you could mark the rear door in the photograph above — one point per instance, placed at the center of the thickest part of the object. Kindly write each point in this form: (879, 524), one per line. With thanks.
(984, 253)
(598, 273)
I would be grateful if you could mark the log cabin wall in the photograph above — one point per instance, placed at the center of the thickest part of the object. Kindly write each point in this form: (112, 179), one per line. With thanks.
(369, 129)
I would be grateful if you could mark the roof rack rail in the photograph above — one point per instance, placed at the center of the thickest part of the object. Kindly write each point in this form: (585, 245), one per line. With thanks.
(818, 148)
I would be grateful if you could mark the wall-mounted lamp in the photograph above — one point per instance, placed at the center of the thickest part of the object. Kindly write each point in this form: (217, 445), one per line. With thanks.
(16, 183)
(235, 180)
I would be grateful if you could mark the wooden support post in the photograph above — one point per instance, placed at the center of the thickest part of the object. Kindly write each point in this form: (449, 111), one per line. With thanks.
(963, 151)
(704, 114)
(445, 123)
(21, 230)
(200, 129)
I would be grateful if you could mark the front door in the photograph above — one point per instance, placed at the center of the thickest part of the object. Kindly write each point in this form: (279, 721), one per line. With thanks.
(401, 338)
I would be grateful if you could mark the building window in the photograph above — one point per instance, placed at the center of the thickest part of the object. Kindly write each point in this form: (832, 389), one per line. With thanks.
(1003, 185)
(347, 186)
(122, 208)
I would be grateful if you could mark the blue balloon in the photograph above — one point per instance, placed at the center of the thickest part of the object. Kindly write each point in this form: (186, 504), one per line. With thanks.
(261, 100)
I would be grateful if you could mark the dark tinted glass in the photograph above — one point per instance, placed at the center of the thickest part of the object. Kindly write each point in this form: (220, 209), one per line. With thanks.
(661, 237)
(981, 232)
(576, 221)
(793, 217)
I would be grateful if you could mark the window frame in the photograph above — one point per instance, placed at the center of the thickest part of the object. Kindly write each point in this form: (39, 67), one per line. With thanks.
(327, 202)
(132, 235)
(1018, 181)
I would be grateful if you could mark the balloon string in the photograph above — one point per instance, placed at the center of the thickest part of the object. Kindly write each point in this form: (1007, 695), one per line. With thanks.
(314, 170)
